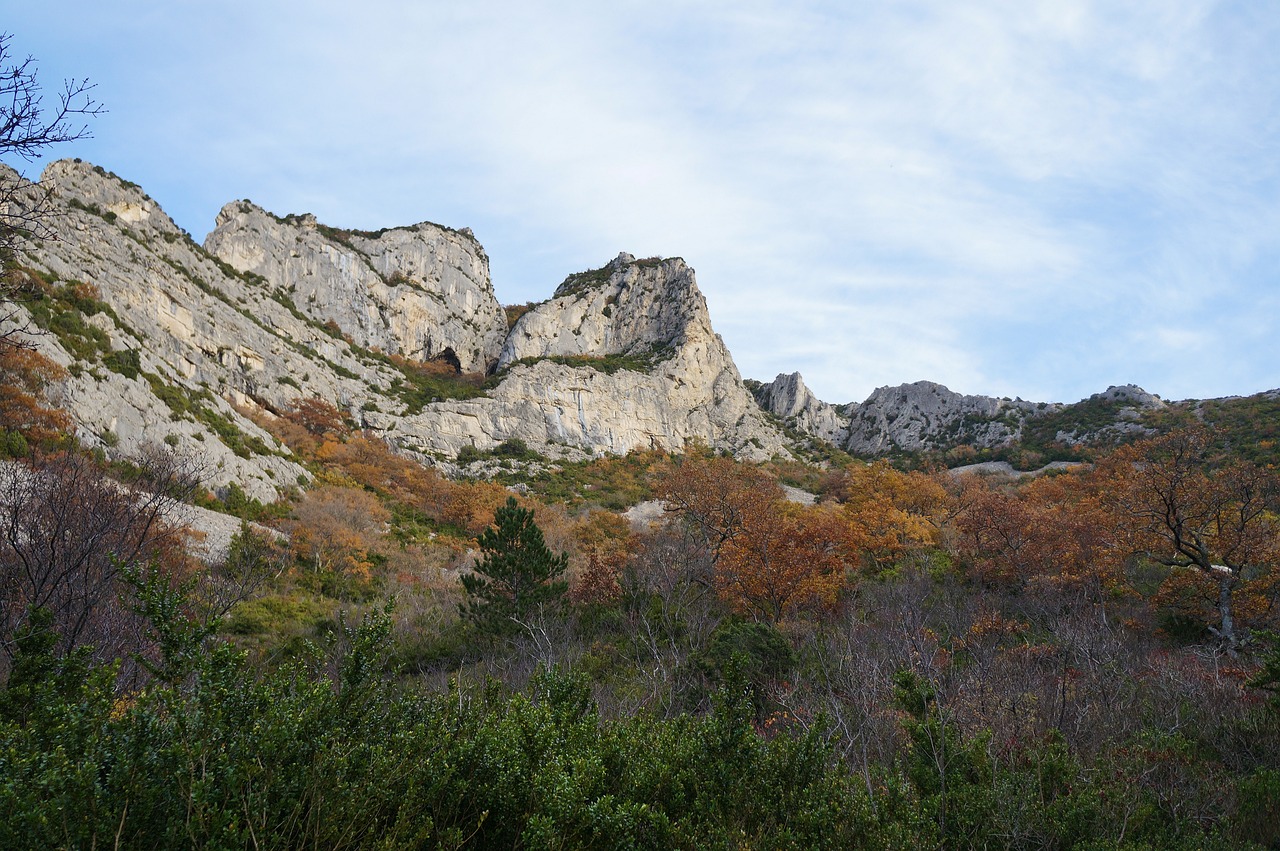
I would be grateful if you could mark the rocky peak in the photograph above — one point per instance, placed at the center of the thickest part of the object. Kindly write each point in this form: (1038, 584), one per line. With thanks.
(787, 398)
(89, 188)
(917, 416)
(1134, 395)
(620, 358)
(422, 291)
(625, 357)
(628, 307)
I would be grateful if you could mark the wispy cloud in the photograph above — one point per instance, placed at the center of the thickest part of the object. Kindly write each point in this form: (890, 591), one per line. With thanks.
(1018, 197)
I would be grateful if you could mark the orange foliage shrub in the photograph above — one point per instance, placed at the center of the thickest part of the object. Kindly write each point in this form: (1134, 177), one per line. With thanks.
(471, 505)
(786, 559)
(1051, 532)
(604, 539)
(717, 496)
(318, 417)
(24, 376)
(334, 529)
(889, 512)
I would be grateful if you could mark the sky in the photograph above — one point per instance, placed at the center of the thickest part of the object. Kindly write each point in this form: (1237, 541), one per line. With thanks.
(1009, 197)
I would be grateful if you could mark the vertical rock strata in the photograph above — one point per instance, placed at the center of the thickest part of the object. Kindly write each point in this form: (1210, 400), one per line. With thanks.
(787, 398)
(619, 358)
(907, 418)
(421, 291)
(188, 337)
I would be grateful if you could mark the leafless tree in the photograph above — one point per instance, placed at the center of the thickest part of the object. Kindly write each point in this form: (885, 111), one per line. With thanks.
(28, 126)
(67, 534)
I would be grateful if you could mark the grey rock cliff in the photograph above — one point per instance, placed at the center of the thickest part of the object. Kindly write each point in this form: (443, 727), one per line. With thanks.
(627, 307)
(918, 416)
(908, 418)
(204, 338)
(787, 398)
(420, 291)
(620, 358)
(1130, 402)
(213, 342)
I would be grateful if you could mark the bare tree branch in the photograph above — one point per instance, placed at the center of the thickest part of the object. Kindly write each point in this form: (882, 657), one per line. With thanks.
(27, 129)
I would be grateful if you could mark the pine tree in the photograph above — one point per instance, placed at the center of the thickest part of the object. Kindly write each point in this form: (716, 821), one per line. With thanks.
(517, 574)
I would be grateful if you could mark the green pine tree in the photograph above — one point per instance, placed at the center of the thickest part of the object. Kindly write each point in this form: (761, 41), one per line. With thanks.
(517, 575)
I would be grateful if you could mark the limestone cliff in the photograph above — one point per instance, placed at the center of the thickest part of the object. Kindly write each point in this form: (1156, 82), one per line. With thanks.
(787, 398)
(906, 418)
(629, 307)
(167, 344)
(421, 291)
(160, 338)
(620, 358)
(922, 415)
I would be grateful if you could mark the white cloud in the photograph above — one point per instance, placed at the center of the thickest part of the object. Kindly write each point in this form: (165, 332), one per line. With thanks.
(1008, 195)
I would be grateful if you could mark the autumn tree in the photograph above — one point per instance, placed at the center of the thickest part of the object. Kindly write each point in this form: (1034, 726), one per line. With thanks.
(786, 559)
(308, 423)
(889, 512)
(604, 540)
(25, 415)
(68, 533)
(1051, 538)
(334, 530)
(517, 574)
(1184, 507)
(716, 497)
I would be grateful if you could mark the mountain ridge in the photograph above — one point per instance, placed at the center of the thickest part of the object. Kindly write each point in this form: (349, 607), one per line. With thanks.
(184, 344)
(206, 345)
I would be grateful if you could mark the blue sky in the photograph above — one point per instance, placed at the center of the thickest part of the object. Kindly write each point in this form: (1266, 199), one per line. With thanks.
(1021, 198)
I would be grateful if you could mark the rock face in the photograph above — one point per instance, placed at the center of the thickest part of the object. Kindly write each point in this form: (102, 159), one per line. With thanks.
(1128, 403)
(787, 398)
(421, 291)
(620, 358)
(918, 416)
(906, 418)
(629, 307)
(184, 343)
(182, 338)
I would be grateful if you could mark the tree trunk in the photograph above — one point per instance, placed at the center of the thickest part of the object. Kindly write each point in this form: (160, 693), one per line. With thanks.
(1227, 630)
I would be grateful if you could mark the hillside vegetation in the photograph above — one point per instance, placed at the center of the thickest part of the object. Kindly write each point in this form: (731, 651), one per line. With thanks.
(915, 660)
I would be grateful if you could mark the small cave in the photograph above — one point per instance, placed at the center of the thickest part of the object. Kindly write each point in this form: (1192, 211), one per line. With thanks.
(450, 357)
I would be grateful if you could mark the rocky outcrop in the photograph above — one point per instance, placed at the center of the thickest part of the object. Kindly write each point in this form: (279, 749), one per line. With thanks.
(168, 344)
(928, 416)
(925, 415)
(787, 398)
(620, 358)
(629, 307)
(906, 418)
(160, 339)
(421, 291)
(1127, 404)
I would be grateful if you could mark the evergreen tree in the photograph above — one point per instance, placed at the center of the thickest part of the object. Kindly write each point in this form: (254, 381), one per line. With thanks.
(517, 574)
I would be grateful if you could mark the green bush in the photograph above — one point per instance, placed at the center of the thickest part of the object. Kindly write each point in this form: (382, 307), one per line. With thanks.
(126, 362)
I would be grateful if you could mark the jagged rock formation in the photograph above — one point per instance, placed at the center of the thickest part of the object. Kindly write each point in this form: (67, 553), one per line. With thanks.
(629, 307)
(1129, 403)
(787, 398)
(906, 418)
(620, 358)
(421, 291)
(928, 416)
(181, 337)
(179, 341)
(923, 415)
(168, 342)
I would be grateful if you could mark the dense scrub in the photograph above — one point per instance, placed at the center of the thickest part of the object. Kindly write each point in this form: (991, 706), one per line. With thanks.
(915, 661)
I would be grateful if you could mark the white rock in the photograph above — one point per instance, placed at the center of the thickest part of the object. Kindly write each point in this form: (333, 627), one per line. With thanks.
(419, 291)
